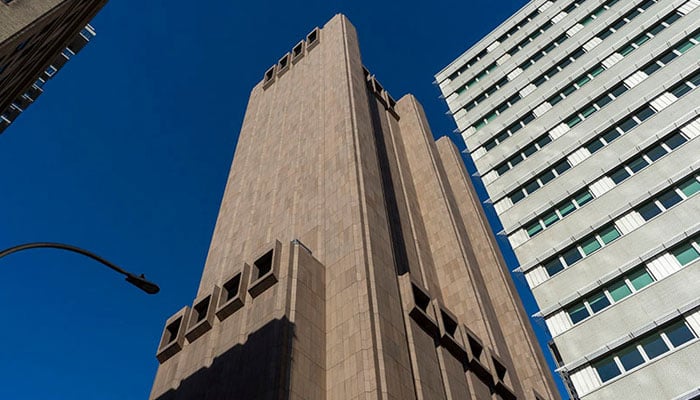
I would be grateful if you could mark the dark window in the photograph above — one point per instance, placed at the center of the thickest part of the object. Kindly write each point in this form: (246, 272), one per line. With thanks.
(628, 124)
(598, 302)
(603, 101)
(546, 177)
(605, 33)
(680, 90)
(637, 164)
(553, 266)
(517, 196)
(656, 152)
(630, 357)
(607, 369)
(654, 346)
(679, 333)
(645, 113)
(529, 150)
(516, 160)
(651, 68)
(594, 146)
(562, 167)
(572, 256)
(670, 199)
(618, 90)
(619, 175)
(578, 312)
(611, 135)
(544, 140)
(675, 141)
(672, 18)
(649, 211)
(532, 187)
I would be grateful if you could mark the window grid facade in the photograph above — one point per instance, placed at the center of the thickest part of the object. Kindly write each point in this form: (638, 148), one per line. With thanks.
(570, 58)
(629, 205)
(584, 79)
(622, 127)
(604, 236)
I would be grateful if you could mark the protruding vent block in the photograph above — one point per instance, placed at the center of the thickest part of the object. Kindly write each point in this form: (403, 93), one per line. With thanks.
(232, 296)
(313, 38)
(269, 76)
(418, 305)
(452, 336)
(479, 362)
(265, 269)
(501, 377)
(173, 337)
(202, 315)
(283, 64)
(298, 51)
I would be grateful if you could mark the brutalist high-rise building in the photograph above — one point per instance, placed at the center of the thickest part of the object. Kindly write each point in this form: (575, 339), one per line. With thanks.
(581, 117)
(37, 38)
(351, 258)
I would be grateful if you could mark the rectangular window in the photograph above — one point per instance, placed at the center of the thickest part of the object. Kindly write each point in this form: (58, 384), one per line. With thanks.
(679, 333)
(637, 164)
(534, 229)
(649, 211)
(630, 357)
(690, 187)
(656, 152)
(583, 198)
(654, 346)
(619, 175)
(640, 279)
(572, 256)
(566, 209)
(553, 266)
(670, 199)
(609, 234)
(598, 302)
(685, 254)
(578, 313)
(590, 246)
(619, 290)
(607, 369)
(550, 218)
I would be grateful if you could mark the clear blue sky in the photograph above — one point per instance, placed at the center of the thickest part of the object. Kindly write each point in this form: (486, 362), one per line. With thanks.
(127, 152)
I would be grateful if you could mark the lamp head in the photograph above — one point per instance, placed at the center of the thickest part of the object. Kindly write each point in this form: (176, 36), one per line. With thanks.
(143, 284)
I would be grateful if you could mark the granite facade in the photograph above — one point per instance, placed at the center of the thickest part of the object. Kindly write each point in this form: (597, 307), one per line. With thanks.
(355, 251)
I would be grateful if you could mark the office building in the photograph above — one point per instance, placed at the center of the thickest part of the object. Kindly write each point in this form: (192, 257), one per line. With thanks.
(581, 117)
(37, 38)
(350, 258)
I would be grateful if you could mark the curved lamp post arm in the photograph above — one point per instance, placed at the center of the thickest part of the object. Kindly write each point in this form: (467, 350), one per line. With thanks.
(138, 281)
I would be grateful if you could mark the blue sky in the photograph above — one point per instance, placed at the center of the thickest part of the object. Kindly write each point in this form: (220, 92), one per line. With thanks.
(127, 152)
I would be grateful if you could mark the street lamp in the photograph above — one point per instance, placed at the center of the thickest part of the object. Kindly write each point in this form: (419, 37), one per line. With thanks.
(137, 280)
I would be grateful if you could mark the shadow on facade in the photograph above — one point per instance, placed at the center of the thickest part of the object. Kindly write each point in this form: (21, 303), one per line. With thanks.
(256, 369)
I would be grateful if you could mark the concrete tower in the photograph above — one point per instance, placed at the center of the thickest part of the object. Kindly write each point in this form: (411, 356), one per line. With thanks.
(351, 258)
(37, 38)
(582, 120)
